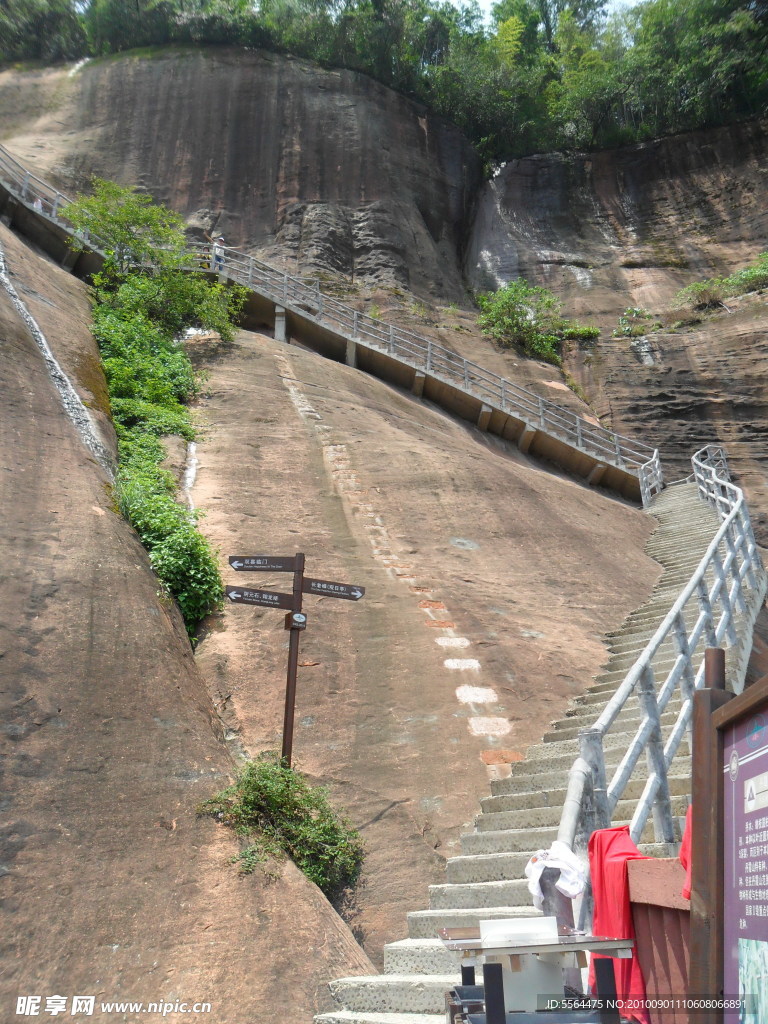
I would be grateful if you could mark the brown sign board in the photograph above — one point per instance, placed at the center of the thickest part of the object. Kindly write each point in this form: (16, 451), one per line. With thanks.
(327, 588)
(263, 563)
(266, 598)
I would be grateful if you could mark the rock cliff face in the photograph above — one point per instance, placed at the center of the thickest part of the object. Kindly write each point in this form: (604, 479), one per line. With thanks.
(455, 537)
(490, 581)
(111, 885)
(630, 228)
(703, 384)
(327, 168)
(625, 227)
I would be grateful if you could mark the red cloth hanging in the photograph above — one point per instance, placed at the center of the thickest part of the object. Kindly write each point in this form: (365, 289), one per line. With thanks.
(685, 853)
(609, 851)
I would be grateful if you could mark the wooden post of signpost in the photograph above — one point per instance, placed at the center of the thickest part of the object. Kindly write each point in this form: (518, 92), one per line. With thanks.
(295, 621)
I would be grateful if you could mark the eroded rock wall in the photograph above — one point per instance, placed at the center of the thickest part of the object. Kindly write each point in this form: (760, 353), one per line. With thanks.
(282, 157)
(625, 227)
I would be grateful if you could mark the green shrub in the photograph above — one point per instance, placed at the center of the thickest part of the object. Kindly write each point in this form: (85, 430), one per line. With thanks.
(277, 812)
(530, 317)
(185, 563)
(750, 279)
(138, 318)
(585, 333)
(702, 294)
(708, 294)
(174, 300)
(632, 323)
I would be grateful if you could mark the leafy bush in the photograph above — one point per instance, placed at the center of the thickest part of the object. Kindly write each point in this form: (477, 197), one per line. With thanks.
(132, 229)
(275, 809)
(702, 294)
(632, 323)
(708, 294)
(583, 333)
(174, 300)
(750, 279)
(137, 318)
(531, 317)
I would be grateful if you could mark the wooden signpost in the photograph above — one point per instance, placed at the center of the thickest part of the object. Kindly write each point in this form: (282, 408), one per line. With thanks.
(295, 620)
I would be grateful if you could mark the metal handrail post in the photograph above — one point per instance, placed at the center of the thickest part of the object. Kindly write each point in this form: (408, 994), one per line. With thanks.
(591, 749)
(662, 805)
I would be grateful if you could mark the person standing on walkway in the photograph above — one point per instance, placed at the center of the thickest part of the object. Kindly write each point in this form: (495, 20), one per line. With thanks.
(218, 253)
(217, 245)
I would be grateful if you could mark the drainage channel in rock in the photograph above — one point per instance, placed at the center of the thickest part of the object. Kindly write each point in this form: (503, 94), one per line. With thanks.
(73, 406)
(190, 474)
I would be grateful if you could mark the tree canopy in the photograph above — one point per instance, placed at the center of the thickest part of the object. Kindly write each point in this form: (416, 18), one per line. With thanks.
(131, 229)
(545, 74)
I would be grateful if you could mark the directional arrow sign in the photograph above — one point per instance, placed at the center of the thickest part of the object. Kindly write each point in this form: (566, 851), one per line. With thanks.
(327, 588)
(268, 598)
(263, 563)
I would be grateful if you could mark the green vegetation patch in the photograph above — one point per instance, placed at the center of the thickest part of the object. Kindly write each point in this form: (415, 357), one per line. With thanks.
(709, 294)
(139, 316)
(531, 318)
(635, 322)
(277, 812)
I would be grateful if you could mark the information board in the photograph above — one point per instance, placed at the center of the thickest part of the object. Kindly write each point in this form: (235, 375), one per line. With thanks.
(745, 876)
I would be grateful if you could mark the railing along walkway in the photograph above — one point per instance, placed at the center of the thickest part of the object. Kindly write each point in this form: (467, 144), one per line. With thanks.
(717, 607)
(423, 355)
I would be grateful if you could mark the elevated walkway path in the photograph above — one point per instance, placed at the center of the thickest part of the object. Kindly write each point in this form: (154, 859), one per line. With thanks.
(298, 309)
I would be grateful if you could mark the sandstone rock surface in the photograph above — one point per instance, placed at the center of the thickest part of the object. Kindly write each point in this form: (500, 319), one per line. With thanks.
(489, 583)
(455, 537)
(328, 169)
(625, 227)
(110, 884)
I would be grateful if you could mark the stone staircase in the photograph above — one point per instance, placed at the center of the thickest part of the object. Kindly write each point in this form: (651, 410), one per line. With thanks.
(523, 812)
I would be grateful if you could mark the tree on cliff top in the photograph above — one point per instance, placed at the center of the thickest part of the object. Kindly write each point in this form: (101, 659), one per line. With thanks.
(127, 225)
(47, 30)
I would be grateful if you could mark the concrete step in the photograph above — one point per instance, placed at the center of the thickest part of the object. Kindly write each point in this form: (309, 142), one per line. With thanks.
(358, 1017)
(590, 709)
(561, 760)
(628, 720)
(603, 692)
(640, 619)
(518, 801)
(532, 780)
(506, 893)
(541, 817)
(420, 956)
(394, 993)
(486, 867)
(612, 741)
(626, 659)
(637, 640)
(509, 800)
(521, 840)
(425, 924)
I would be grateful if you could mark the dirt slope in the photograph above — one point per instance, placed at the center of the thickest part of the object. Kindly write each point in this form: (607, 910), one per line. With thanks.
(489, 583)
(109, 884)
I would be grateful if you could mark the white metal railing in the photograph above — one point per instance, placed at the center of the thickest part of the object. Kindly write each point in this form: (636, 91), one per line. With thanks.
(717, 607)
(306, 299)
(651, 479)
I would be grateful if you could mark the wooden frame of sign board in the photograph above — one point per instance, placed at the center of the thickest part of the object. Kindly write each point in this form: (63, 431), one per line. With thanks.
(718, 717)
